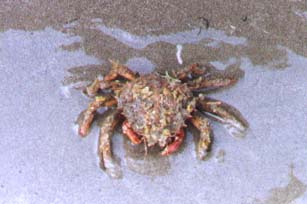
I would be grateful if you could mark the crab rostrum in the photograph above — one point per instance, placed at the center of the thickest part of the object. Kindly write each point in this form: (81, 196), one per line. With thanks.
(155, 108)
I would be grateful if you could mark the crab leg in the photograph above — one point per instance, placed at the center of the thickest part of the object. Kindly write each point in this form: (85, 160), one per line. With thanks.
(127, 130)
(202, 83)
(224, 113)
(97, 85)
(204, 143)
(120, 70)
(172, 147)
(216, 79)
(107, 127)
(108, 81)
(94, 87)
(192, 69)
(87, 116)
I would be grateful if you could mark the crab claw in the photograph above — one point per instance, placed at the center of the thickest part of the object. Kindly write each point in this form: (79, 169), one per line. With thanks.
(127, 130)
(172, 147)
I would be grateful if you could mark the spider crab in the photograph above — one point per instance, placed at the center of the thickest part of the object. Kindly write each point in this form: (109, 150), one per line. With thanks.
(154, 108)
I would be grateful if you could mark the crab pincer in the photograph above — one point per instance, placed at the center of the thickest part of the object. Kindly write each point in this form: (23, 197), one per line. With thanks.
(174, 146)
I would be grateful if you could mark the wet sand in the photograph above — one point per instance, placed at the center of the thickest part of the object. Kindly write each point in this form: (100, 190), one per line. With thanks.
(49, 48)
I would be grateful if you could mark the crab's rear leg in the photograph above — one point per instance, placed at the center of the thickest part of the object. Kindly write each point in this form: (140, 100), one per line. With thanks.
(86, 117)
(224, 113)
(108, 81)
(107, 127)
(174, 146)
(204, 143)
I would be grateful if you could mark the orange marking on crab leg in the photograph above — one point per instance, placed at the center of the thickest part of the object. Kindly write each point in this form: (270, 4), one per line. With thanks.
(112, 102)
(84, 126)
(172, 147)
(111, 76)
(127, 130)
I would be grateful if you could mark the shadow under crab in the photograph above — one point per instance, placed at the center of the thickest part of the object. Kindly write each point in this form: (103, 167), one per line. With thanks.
(154, 108)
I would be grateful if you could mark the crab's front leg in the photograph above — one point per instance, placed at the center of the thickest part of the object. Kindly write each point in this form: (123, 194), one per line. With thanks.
(216, 79)
(120, 70)
(97, 85)
(224, 113)
(107, 127)
(204, 143)
(86, 117)
(107, 82)
(193, 69)
(174, 146)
